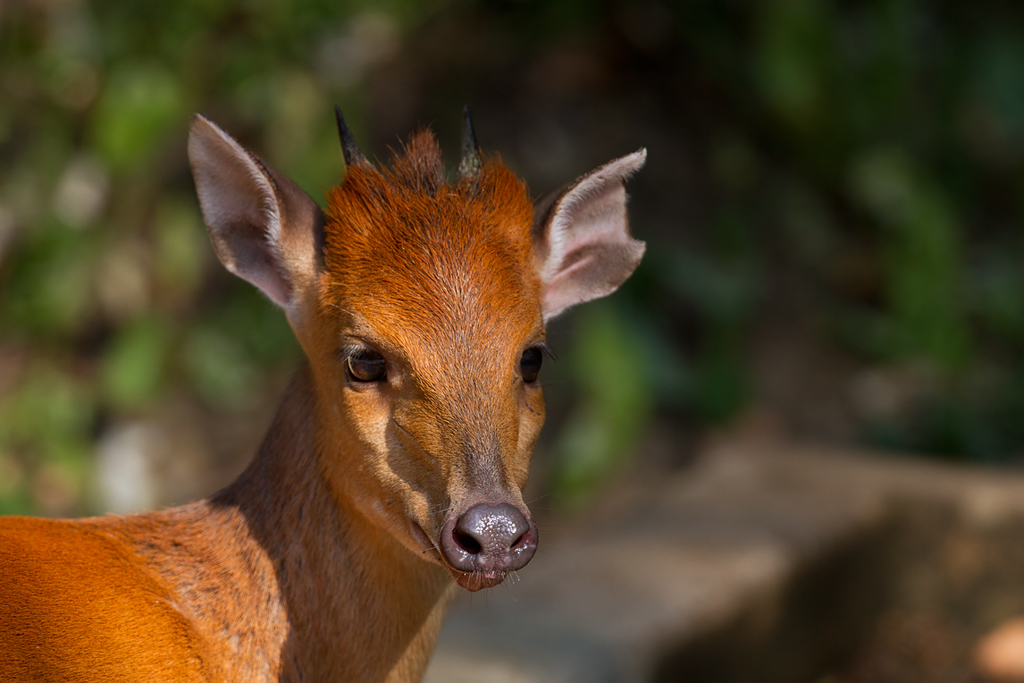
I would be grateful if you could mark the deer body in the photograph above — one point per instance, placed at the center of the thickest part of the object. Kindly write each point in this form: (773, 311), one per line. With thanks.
(394, 467)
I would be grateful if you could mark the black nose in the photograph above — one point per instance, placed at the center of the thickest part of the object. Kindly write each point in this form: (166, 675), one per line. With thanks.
(493, 539)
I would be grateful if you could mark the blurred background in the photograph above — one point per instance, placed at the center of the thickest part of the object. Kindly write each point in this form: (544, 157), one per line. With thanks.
(833, 208)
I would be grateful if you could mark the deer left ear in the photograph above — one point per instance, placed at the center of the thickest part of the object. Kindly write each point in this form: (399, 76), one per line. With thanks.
(581, 237)
(264, 228)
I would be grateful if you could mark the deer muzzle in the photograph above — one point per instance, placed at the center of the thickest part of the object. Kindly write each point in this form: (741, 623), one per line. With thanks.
(486, 542)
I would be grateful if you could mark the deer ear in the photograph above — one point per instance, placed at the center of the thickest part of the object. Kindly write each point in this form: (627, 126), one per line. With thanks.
(581, 237)
(264, 228)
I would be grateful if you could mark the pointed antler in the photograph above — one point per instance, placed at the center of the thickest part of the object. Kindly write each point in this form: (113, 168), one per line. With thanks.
(469, 167)
(349, 149)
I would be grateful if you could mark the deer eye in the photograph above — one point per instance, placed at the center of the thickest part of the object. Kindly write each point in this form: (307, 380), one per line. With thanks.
(529, 364)
(366, 365)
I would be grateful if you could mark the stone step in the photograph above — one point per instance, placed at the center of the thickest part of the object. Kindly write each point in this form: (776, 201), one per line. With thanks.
(762, 562)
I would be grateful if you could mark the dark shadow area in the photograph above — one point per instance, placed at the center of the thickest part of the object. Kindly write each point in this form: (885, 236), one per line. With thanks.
(902, 602)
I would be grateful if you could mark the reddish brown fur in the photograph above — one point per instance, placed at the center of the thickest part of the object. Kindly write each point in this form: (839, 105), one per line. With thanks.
(63, 586)
(289, 574)
(442, 278)
(421, 257)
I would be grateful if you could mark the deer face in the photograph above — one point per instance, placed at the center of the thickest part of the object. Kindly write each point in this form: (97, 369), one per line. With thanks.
(433, 301)
(421, 307)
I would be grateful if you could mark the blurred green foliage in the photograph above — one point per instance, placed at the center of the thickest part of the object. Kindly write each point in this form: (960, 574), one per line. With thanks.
(869, 152)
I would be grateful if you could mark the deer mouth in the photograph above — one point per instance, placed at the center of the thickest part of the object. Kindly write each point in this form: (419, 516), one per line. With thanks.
(471, 580)
(474, 581)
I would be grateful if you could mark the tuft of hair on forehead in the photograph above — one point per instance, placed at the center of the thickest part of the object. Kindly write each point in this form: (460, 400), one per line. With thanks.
(404, 238)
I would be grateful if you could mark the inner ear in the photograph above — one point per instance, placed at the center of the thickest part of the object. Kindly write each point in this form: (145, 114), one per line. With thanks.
(581, 237)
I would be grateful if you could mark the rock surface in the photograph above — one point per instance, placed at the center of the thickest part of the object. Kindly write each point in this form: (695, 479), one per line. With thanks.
(763, 561)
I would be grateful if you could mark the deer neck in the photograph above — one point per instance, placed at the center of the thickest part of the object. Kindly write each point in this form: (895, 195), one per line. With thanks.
(345, 600)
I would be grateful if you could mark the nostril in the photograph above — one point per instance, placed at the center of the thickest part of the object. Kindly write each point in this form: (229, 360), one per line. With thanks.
(517, 541)
(466, 542)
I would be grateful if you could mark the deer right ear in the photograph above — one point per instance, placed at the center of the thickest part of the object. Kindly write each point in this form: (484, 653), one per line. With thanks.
(581, 237)
(263, 227)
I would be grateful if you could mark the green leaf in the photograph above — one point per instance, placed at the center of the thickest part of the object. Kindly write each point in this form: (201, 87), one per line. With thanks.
(134, 367)
(139, 105)
(182, 248)
(614, 378)
(219, 367)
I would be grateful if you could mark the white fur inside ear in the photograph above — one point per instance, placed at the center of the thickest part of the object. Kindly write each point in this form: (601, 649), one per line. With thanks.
(586, 249)
(582, 212)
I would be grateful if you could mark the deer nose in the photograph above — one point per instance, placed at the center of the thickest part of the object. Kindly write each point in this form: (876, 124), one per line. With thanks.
(493, 539)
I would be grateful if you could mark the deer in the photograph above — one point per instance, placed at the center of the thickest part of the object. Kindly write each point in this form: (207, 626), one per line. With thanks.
(393, 470)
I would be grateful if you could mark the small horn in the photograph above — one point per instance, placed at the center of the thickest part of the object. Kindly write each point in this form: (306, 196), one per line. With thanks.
(349, 149)
(469, 167)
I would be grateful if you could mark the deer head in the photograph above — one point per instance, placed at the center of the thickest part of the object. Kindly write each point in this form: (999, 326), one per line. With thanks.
(421, 306)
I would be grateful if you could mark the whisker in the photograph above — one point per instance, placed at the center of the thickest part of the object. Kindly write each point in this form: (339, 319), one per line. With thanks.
(540, 497)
